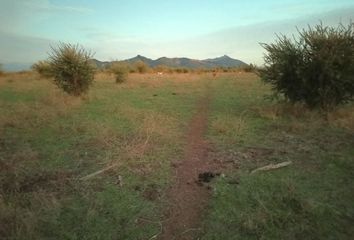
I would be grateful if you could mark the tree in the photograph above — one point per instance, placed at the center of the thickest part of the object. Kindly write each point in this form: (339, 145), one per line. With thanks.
(317, 68)
(71, 67)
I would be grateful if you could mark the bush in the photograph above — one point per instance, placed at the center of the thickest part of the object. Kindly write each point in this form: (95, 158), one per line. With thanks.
(249, 68)
(43, 68)
(316, 69)
(71, 68)
(120, 70)
(141, 67)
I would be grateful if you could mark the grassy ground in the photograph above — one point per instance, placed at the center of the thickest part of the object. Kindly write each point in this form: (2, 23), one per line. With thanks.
(50, 141)
(311, 199)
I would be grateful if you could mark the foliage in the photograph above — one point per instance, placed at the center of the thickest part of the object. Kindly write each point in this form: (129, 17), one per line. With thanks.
(181, 70)
(1, 71)
(316, 69)
(162, 68)
(43, 68)
(72, 69)
(120, 70)
(307, 200)
(249, 68)
(141, 67)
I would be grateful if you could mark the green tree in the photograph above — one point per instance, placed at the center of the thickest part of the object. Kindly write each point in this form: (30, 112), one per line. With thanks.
(317, 68)
(71, 67)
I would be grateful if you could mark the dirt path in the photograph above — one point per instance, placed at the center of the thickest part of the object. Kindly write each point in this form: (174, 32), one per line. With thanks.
(187, 196)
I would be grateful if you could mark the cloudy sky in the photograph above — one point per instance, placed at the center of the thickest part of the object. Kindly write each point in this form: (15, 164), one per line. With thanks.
(120, 29)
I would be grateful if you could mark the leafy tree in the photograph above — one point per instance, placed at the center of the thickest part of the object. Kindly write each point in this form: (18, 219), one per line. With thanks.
(317, 68)
(71, 67)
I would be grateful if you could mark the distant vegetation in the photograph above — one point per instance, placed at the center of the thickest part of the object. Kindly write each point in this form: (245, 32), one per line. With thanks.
(179, 63)
(43, 68)
(72, 68)
(141, 67)
(317, 68)
(1, 71)
(120, 70)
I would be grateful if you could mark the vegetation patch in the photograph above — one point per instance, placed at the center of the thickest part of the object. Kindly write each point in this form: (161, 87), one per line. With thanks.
(309, 199)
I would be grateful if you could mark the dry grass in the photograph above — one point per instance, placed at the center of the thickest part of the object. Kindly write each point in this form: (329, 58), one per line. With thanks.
(229, 124)
(22, 81)
(154, 80)
(342, 117)
(41, 111)
(48, 102)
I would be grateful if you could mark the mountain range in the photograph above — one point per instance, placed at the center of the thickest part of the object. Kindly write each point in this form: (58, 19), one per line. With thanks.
(224, 61)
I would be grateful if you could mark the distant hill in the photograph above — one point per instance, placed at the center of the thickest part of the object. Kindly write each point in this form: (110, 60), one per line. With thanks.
(15, 67)
(224, 61)
(99, 64)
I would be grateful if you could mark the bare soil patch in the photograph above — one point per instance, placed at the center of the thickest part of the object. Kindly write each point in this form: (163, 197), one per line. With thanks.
(188, 195)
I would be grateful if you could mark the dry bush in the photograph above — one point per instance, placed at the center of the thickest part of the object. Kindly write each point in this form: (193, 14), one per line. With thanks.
(43, 68)
(120, 70)
(141, 67)
(72, 69)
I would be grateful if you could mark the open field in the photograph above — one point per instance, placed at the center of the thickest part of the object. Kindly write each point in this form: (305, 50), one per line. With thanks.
(99, 166)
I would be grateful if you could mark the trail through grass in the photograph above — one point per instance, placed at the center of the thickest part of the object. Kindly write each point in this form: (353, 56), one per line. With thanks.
(49, 141)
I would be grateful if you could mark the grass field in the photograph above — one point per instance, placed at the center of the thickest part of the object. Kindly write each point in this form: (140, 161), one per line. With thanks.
(53, 146)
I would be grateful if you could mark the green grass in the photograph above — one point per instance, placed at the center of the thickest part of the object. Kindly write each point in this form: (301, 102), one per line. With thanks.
(310, 199)
(48, 142)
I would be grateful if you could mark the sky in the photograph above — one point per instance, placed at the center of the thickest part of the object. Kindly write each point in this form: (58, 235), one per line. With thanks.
(121, 29)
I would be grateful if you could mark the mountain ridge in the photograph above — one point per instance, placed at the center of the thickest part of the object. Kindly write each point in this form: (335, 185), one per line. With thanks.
(175, 62)
(181, 62)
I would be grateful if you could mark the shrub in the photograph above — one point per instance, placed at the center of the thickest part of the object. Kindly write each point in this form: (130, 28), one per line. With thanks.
(161, 68)
(120, 70)
(141, 67)
(317, 68)
(71, 68)
(249, 68)
(43, 68)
